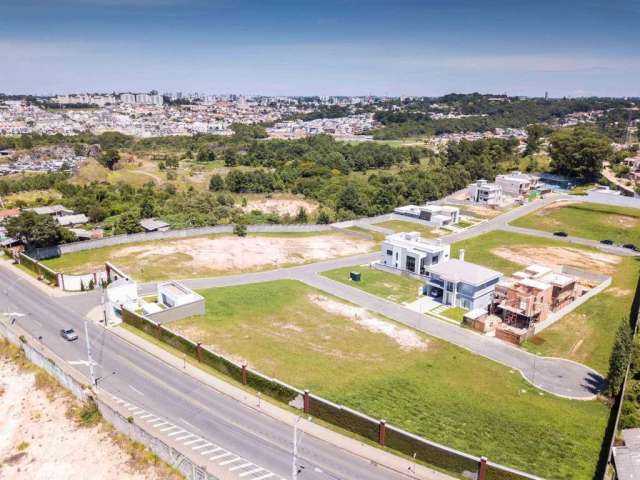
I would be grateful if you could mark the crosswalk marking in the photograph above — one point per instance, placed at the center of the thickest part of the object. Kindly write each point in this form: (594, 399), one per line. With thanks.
(153, 419)
(170, 427)
(198, 447)
(146, 416)
(255, 470)
(240, 467)
(191, 442)
(184, 437)
(266, 475)
(216, 457)
(160, 423)
(211, 450)
(177, 432)
(233, 460)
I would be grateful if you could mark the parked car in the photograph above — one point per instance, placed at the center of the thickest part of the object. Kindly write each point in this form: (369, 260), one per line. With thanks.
(606, 242)
(561, 234)
(631, 246)
(69, 334)
(435, 293)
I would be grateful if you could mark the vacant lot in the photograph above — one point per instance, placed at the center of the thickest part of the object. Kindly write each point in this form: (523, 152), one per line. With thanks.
(311, 340)
(41, 440)
(585, 335)
(402, 226)
(382, 284)
(587, 220)
(280, 205)
(212, 255)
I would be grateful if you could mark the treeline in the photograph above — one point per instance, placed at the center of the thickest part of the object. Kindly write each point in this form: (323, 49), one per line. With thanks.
(36, 181)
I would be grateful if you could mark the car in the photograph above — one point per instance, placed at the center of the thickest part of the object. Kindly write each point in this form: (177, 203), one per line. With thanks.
(606, 242)
(435, 293)
(561, 234)
(69, 334)
(631, 246)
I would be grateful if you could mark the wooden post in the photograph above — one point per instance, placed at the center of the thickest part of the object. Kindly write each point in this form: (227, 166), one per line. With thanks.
(199, 351)
(244, 373)
(306, 402)
(381, 432)
(482, 468)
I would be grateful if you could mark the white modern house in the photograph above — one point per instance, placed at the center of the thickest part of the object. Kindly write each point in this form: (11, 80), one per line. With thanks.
(174, 294)
(485, 193)
(462, 284)
(516, 184)
(435, 215)
(409, 252)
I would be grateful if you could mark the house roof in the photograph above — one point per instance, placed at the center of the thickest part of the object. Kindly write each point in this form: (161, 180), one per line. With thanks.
(9, 212)
(151, 224)
(456, 270)
(78, 219)
(50, 210)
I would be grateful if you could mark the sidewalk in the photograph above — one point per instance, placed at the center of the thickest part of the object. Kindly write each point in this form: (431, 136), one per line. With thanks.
(355, 447)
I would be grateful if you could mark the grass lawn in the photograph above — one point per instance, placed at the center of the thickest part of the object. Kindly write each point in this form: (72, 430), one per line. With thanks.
(402, 226)
(382, 284)
(439, 391)
(587, 220)
(179, 258)
(455, 313)
(585, 335)
(377, 236)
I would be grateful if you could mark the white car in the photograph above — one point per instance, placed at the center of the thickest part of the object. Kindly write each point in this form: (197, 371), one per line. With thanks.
(69, 334)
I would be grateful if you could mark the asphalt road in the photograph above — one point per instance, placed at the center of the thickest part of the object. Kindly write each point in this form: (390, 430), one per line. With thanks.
(152, 385)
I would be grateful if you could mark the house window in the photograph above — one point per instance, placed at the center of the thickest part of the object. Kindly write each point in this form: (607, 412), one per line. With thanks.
(435, 259)
(411, 264)
(389, 252)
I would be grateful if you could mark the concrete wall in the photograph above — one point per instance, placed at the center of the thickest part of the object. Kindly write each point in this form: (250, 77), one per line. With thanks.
(186, 233)
(177, 313)
(109, 409)
(73, 283)
(618, 200)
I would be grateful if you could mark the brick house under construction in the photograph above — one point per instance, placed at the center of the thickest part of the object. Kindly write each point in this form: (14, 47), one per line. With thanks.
(531, 295)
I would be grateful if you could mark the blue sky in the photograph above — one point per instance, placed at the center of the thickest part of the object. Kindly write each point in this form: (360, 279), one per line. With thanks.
(322, 47)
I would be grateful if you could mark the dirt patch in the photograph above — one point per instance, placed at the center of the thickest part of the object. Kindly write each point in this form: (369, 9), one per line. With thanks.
(554, 256)
(619, 292)
(281, 206)
(242, 253)
(552, 206)
(37, 440)
(621, 221)
(480, 211)
(405, 338)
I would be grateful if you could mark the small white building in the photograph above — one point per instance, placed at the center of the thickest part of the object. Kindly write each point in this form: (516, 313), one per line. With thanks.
(409, 252)
(154, 225)
(70, 220)
(516, 184)
(174, 294)
(485, 193)
(435, 215)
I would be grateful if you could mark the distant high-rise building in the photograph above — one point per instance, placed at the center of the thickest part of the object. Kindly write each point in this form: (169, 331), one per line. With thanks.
(129, 98)
(546, 95)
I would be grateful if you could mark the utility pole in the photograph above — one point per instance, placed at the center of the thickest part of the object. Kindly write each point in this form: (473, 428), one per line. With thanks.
(294, 460)
(89, 360)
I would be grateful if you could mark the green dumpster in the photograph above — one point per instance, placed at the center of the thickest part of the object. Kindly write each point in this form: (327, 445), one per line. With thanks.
(355, 276)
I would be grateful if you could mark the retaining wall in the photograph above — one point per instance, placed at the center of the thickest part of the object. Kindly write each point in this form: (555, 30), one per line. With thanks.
(439, 456)
(108, 409)
(185, 233)
(39, 269)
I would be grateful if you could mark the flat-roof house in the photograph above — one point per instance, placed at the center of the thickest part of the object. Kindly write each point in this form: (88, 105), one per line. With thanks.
(485, 193)
(408, 251)
(516, 184)
(154, 225)
(626, 458)
(462, 284)
(436, 215)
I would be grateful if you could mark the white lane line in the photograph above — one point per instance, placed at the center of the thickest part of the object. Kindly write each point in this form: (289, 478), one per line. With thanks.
(256, 470)
(266, 475)
(176, 433)
(191, 442)
(132, 408)
(216, 457)
(184, 437)
(233, 460)
(137, 411)
(161, 424)
(205, 444)
(240, 467)
(211, 450)
(136, 390)
(166, 429)
(146, 416)
(153, 419)
(190, 424)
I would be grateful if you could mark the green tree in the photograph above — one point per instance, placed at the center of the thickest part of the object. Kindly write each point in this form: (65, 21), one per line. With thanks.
(323, 218)
(96, 213)
(301, 216)
(127, 223)
(619, 360)
(109, 158)
(230, 158)
(171, 162)
(579, 152)
(534, 138)
(147, 208)
(37, 231)
(206, 154)
(350, 199)
(240, 229)
(216, 183)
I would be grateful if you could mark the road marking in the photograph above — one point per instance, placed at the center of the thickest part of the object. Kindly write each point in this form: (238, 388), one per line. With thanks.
(198, 447)
(266, 475)
(233, 460)
(191, 442)
(244, 474)
(161, 424)
(166, 429)
(146, 416)
(176, 433)
(226, 454)
(153, 419)
(137, 411)
(132, 407)
(190, 424)
(136, 390)
(207, 452)
(240, 467)
(184, 437)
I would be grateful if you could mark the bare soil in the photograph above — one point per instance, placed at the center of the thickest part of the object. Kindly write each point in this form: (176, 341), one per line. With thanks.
(38, 441)
(281, 206)
(553, 256)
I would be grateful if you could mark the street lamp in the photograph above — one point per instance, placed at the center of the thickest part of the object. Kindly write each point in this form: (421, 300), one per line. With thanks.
(99, 379)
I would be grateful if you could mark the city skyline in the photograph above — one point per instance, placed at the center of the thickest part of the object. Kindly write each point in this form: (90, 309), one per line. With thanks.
(343, 47)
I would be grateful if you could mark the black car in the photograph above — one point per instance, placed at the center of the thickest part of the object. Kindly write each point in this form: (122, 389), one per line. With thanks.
(561, 234)
(631, 246)
(606, 242)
